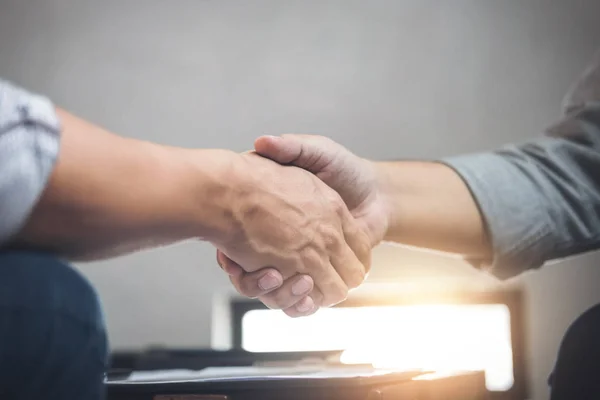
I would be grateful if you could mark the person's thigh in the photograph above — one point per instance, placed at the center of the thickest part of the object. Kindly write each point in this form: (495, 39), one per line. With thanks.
(52, 337)
(576, 374)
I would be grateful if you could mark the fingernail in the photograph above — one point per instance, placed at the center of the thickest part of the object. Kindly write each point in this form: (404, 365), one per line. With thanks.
(301, 287)
(305, 305)
(269, 281)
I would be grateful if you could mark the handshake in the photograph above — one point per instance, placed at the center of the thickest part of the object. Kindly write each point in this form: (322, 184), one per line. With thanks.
(294, 221)
(307, 214)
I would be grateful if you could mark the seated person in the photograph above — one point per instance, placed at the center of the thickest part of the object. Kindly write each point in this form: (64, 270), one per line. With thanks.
(72, 191)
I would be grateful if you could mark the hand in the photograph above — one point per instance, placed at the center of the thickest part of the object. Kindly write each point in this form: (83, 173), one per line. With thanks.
(287, 218)
(354, 178)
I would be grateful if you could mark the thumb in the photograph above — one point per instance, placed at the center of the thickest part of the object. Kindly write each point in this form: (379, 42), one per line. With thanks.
(278, 149)
(309, 152)
(352, 177)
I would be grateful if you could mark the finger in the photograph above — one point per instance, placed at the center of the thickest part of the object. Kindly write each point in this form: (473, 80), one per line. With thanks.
(317, 264)
(258, 283)
(338, 167)
(317, 297)
(349, 267)
(355, 262)
(303, 151)
(283, 300)
(330, 284)
(342, 266)
(311, 152)
(278, 149)
(303, 308)
(266, 280)
(230, 267)
(291, 292)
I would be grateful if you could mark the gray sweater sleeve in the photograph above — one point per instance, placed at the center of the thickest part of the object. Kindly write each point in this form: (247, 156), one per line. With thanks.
(540, 200)
(29, 145)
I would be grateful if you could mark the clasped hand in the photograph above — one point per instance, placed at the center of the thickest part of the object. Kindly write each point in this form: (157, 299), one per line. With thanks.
(291, 223)
(307, 229)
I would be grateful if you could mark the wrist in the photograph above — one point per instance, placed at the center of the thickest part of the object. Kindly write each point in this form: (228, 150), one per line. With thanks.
(211, 183)
(374, 209)
(386, 192)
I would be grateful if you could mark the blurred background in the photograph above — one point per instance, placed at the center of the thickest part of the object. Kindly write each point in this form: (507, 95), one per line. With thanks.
(388, 79)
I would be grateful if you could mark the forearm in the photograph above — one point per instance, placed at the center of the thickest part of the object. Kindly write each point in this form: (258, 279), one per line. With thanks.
(430, 206)
(512, 209)
(538, 200)
(110, 195)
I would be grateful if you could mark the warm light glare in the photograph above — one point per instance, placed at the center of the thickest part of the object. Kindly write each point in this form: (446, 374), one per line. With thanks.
(431, 337)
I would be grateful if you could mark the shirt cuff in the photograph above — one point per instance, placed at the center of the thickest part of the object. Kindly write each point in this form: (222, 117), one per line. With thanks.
(29, 146)
(515, 218)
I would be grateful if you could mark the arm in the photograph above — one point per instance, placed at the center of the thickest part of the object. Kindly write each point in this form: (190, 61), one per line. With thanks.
(109, 195)
(428, 205)
(71, 188)
(511, 209)
(103, 195)
(537, 201)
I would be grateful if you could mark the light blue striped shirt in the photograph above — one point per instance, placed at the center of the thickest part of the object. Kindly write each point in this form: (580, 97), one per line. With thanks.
(29, 145)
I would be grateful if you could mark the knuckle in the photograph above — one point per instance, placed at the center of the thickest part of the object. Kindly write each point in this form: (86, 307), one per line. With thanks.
(336, 203)
(312, 261)
(331, 237)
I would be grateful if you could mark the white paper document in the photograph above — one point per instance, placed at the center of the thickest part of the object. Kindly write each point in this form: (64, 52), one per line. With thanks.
(214, 374)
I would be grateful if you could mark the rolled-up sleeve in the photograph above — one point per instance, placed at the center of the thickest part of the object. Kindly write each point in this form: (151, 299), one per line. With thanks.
(540, 200)
(29, 146)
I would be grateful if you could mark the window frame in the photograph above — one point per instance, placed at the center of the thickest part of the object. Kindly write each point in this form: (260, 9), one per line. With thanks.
(513, 299)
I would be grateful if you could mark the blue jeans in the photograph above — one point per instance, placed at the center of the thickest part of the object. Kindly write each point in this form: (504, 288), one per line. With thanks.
(53, 342)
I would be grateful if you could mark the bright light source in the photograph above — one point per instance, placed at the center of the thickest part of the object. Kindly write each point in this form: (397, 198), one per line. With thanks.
(431, 337)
